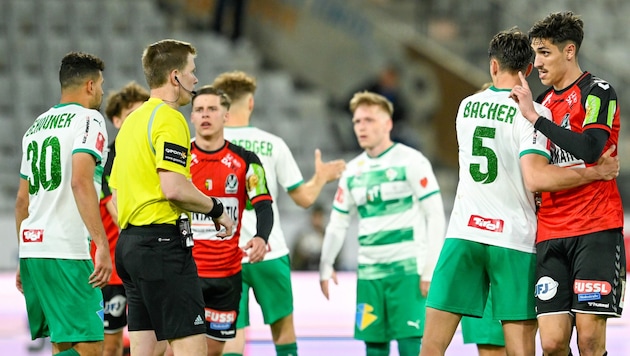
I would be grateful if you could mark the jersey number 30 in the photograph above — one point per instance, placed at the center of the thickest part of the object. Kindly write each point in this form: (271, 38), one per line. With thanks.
(478, 149)
(45, 165)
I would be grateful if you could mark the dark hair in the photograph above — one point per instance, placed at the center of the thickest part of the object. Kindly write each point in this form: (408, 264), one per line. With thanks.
(77, 67)
(559, 28)
(210, 90)
(124, 98)
(162, 57)
(511, 48)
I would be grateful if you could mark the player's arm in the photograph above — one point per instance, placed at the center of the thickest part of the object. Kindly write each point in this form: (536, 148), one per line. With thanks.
(21, 213)
(306, 194)
(86, 198)
(334, 236)
(183, 193)
(258, 194)
(540, 176)
(433, 210)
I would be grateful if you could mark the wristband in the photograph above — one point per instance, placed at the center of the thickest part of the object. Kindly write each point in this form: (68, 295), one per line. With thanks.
(217, 209)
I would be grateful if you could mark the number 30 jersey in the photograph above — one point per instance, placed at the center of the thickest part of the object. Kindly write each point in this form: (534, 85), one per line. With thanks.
(236, 177)
(492, 205)
(54, 228)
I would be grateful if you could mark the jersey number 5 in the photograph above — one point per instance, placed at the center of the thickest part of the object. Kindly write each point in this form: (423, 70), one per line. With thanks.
(45, 165)
(478, 149)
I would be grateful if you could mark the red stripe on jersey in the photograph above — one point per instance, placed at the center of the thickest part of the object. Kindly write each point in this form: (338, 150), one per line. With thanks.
(111, 229)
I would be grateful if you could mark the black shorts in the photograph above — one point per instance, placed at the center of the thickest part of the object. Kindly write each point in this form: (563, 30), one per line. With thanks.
(160, 278)
(222, 297)
(115, 305)
(582, 274)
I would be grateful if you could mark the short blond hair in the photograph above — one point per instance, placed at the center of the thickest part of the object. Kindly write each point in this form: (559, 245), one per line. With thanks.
(235, 84)
(369, 98)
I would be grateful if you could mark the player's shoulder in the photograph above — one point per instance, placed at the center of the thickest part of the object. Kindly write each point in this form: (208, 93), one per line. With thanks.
(242, 152)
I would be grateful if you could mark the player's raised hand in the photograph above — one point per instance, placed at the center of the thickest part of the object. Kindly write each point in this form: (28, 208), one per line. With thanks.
(328, 171)
(522, 95)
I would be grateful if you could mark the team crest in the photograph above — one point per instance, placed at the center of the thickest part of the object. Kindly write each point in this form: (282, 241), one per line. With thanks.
(209, 184)
(391, 174)
(231, 184)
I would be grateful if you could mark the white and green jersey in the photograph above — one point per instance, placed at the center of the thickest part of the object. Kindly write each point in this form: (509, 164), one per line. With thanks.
(280, 168)
(492, 205)
(400, 213)
(54, 228)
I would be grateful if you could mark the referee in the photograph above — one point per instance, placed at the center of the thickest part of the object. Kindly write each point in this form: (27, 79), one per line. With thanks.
(152, 189)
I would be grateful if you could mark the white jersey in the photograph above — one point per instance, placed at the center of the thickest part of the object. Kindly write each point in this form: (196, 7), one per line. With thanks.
(492, 205)
(54, 228)
(280, 168)
(399, 232)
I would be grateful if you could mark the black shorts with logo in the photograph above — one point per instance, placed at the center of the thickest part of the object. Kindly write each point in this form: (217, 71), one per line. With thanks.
(582, 274)
(222, 297)
(160, 278)
(115, 305)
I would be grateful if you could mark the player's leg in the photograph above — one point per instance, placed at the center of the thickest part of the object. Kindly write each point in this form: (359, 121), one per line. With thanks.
(115, 315)
(236, 346)
(462, 261)
(371, 317)
(485, 332)
(554, 294)
(598, 287)
(405, 310)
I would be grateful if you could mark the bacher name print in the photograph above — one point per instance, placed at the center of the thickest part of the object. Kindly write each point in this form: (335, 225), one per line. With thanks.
(175, 153)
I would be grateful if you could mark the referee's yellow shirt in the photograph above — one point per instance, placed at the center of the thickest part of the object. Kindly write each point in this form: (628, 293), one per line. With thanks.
(155, 136)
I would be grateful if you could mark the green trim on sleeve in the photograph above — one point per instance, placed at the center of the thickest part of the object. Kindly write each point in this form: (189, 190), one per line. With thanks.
(534, 151)
(341, 211)
(93, 153)
(428, 195)
(295, 186)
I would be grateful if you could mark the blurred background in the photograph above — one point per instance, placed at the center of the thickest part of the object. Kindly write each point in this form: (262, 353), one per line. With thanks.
(309, 57)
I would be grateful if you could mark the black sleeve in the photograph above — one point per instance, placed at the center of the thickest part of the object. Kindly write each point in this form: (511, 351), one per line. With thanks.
(587, 146)
(264, 219)
(107, 171)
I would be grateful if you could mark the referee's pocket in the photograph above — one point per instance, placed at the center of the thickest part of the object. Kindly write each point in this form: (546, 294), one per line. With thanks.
(151, 265)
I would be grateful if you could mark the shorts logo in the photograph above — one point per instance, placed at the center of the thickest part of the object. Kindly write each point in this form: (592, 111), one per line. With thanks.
(116, 306)
(492, 225)
(175, 153)
(546, 288)
(220, 319)
(33, 235)
(590, 290)
(364, 316)
(198, 320)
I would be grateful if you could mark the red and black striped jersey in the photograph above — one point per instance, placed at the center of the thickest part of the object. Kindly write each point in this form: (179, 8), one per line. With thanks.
(588, 103)
(235, 176)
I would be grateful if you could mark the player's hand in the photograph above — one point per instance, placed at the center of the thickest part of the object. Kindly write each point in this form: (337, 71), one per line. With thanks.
(328, 171)
(226, 222)
(102, 267)
(324, 284)
(256, 249)
(522, 95)
(424, 288)
(18, 280)
(607, 165)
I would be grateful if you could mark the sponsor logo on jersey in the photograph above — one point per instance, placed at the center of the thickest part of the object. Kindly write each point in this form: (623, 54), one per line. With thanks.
(585, 286)
(230, 161)
(231, 184)
(488, 224)
(33, 235)
(175, 153)
(572, 99)
(220, 320)
(364, 316)
(546, 288)
(100, 142)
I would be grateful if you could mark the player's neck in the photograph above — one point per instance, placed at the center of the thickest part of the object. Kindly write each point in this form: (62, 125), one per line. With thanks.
(379, 149)
(212, 143)
(572, 74)
(72, 97)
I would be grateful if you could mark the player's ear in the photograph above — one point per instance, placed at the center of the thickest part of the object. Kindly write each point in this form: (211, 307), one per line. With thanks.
(529, 69)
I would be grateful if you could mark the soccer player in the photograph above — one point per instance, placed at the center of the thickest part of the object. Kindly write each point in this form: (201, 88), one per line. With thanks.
(119, 105)
(491, 232)
(580, 269)
(271, 278)
(151, 189)
(401, 229)
(236, 177)
(56, 213)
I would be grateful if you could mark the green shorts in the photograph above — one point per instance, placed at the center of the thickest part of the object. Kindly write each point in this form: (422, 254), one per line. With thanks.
(463, 275)
(389, 308)
(271, 282)
(484, 330)
(60, 302)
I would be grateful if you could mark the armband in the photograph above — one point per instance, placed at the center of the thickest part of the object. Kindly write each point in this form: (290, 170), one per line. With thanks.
(217, 209)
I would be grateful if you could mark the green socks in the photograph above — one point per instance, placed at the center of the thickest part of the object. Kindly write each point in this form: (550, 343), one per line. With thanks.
(377, 348)
(409, 346)
(286, 350)
(69, 352)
